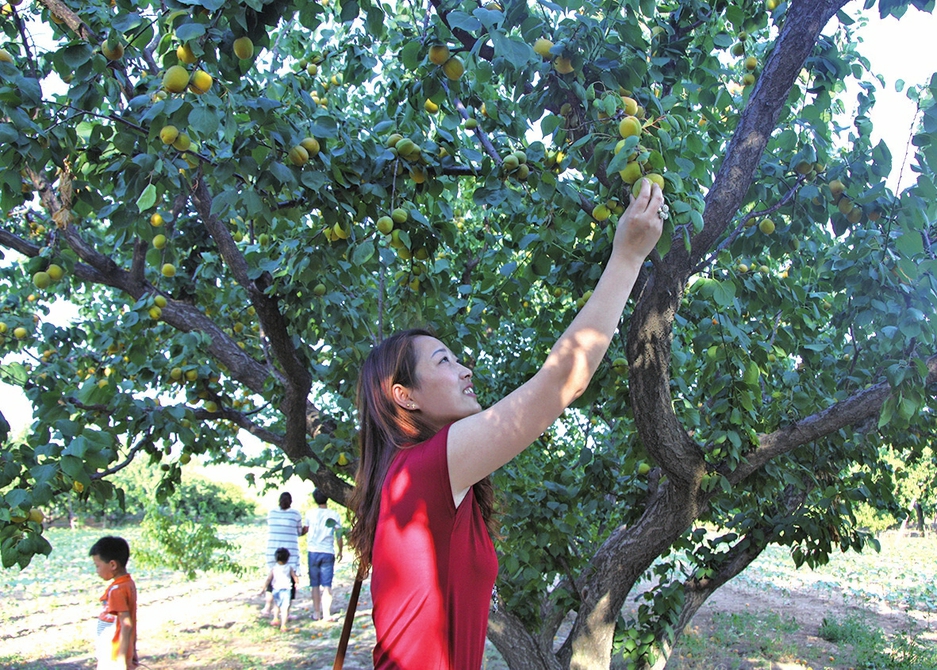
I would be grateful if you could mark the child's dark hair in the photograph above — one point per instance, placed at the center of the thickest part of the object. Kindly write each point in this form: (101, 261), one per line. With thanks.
(320, 497)
(282, 555)
(111, 548)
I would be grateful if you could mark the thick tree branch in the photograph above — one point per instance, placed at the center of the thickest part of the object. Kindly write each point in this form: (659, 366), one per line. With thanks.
(650, 332)
(858, 408)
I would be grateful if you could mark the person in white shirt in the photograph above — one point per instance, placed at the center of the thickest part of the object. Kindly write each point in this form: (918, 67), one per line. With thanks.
(281, 581)
(324, 527)
(284, 528)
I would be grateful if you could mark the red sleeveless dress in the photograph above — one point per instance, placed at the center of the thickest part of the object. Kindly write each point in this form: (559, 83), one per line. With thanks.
(433, 567)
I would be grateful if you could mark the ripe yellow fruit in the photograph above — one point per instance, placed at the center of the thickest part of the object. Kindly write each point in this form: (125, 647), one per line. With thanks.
(601, 212)
(630, 105)
(160, 301)
(844, 205)
(112, 50)
(175, 79)
(5, 56)
(430, 106)
(20, 333)
(42, 280)
(36, 516)
(168, 134)
(631, 173)
(201, 82)
(837, 187)
(418, 174)
(772, 4)
(803, 167)
(312, 70)
(298, 155)
(766, 226)
(182, 142)
(159, 241)
(542, 47)
(751, 63)
(55, 272)
(156, 220)
(311, 145)
(385, 225)
(748, 79)
(453, 68)
(341, 232)
(78, 487)
(562, 65)
(438, 54)
(169, 270)
(653, 178)
(343, 459)
(155, 312)
(244, 48)
(629, 127)
(185, 54)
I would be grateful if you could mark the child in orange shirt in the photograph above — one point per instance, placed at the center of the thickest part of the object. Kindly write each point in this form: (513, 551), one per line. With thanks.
(116, 641)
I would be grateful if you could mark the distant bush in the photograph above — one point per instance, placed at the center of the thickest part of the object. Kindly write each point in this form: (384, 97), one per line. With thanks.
(194, 497)
(185, 544)
(198, 498)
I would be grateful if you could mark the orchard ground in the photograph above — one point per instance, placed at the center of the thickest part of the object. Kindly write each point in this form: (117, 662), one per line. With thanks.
(769, 618)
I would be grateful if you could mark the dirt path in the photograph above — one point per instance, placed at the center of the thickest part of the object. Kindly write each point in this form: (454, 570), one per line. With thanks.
(214, 623)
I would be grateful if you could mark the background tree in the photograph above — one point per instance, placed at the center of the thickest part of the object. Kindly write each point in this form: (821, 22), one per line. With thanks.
(242, 198)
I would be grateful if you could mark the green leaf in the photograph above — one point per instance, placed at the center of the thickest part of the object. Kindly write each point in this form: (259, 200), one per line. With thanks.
(189, 31)
(463, 21)
(516, 51)
(147, 199)
(724, 293)
(204, 120)
(363, 253)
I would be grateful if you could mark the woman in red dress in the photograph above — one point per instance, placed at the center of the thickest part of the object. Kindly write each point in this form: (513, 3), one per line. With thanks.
(423, 499)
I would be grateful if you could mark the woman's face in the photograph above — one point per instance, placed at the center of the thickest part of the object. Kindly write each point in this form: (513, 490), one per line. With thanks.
(445, 392)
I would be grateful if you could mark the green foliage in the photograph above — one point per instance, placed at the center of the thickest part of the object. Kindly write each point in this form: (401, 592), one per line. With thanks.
(187, 545)
(282, 281)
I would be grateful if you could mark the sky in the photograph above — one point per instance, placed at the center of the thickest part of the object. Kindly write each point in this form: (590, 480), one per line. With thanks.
(897, 49)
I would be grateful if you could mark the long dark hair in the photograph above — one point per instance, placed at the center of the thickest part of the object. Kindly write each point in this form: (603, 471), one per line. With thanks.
(386, 427)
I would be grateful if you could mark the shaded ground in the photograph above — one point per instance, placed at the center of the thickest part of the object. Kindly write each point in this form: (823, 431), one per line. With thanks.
(214, 623)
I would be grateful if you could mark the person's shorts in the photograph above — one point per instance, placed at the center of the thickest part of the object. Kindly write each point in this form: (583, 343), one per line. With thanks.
(282, 597)
(321, 569)
(292, 590)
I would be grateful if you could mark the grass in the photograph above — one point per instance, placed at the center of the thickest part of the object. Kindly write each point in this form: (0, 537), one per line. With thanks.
(902, 578)
(43, 621)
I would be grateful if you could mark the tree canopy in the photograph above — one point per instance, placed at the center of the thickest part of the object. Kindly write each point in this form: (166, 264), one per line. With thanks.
(242, 198)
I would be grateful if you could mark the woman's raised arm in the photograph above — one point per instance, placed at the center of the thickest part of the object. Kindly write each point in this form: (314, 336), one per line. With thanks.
(481, 443)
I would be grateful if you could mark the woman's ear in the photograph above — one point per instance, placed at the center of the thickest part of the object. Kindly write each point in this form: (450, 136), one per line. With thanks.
(402, 397)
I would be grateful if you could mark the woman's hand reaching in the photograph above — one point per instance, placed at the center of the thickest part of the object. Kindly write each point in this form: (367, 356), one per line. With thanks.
(640, 225)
